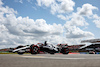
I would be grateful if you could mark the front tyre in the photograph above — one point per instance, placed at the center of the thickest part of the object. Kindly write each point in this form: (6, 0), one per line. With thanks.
(34, 50)
(20, 53)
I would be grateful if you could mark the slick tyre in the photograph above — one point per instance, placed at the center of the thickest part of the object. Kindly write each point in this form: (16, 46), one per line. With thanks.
(52, 52)
(34, 50)
(65, 51)
(20, 53)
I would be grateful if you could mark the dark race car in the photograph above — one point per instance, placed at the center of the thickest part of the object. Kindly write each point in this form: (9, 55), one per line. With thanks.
(44, 48)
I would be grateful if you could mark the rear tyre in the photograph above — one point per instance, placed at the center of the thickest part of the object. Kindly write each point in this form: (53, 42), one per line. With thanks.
(52, 52)
(65, 50)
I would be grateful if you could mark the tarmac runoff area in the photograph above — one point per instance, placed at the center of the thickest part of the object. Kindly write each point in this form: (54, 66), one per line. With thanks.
(48, 60)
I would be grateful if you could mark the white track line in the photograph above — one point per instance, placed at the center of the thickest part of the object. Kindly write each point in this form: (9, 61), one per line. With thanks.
(49, 57)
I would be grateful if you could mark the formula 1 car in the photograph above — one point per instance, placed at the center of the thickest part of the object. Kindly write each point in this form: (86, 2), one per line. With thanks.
(46, 48)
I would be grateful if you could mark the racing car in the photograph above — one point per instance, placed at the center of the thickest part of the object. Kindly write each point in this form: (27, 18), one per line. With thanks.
(44, 48)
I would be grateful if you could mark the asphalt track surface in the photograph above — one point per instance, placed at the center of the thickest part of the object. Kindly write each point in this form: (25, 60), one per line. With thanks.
(47, 60)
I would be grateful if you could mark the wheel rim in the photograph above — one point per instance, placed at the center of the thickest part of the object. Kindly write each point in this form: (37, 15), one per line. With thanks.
(35, 49)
